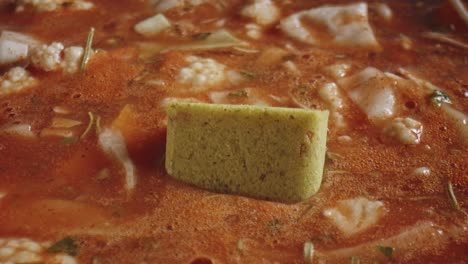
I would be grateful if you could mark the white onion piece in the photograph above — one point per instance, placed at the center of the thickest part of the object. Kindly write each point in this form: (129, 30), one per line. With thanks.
(164, 5)
(337, 71)
(370, 89)
(330, 94)
(23, 130)
(18, 37)
(393, 76)
(12, 51)
(15, 46)
(460, 119)
(346, 25)
(461, 10)
(376, 104)
(291, 68)
(152, 25)
(219, 97)
(113, 143)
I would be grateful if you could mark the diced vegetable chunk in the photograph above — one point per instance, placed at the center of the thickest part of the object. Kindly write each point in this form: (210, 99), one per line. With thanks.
(153, 25)
(264, 152)
(345, 25)
(12, 51)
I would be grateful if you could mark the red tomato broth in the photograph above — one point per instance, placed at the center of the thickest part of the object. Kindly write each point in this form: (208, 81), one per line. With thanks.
(163, 220)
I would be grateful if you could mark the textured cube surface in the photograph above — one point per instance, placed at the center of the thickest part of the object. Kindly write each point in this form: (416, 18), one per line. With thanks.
(264, 152)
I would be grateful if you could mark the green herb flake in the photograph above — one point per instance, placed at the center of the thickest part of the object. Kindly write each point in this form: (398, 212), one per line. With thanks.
(308, 252)
(439, 97)
(355, 260)
(248, 74)
(89, 43)
(70, 140)
(452, 197)
(387, 251)
(240, 93)
(201, 36)
(67, 245)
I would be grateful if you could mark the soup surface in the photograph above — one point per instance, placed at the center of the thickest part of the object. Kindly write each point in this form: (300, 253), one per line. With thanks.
(83, 89)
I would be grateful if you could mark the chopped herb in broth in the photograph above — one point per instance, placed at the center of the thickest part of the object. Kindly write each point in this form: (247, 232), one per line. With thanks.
(452, 197)
(387, 251)
(439, 97)
(87, 51)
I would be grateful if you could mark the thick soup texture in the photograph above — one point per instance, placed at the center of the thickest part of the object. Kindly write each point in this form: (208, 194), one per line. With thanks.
(83, 90)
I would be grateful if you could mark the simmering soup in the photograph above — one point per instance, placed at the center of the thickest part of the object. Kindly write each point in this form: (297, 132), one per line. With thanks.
(84, 86)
